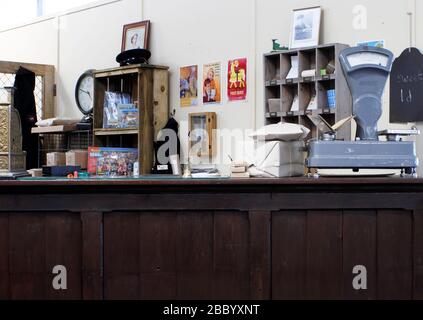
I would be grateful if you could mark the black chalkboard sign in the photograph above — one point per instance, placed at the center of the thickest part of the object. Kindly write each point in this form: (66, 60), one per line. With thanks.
(406, 100)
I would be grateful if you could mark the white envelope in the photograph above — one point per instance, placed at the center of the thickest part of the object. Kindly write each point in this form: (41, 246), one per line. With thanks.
(280, 158)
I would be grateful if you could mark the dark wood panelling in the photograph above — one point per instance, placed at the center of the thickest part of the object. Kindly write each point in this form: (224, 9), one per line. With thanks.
(231, 273)
(260, 254)
(4, 256)
(394, 254)
(194, 261)
(121, 256)
(418, 254)
(92, 255)
(213, 239)
(207, 202)
(359, 249)
(27, 264)
(289, 252)
(31, 245)
(64, 247)
(158, 240)
(324, 255)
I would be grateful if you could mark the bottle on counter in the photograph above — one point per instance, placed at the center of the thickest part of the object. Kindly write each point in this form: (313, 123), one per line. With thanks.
(136, 169)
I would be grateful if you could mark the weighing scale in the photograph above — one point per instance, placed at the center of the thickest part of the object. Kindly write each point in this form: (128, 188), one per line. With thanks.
(367, 70)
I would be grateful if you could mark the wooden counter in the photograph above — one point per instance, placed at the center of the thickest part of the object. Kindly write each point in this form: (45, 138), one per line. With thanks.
(212, 239)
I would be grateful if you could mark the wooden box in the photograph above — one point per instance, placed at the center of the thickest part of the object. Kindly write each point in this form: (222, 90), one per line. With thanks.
(56, 159)
(77, 158)
(202, 134)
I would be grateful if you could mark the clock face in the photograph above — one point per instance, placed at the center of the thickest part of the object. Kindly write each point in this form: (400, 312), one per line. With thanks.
(85, 93)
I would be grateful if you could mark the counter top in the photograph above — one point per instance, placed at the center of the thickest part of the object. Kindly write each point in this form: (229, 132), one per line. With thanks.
(156, 180)
(155, 184)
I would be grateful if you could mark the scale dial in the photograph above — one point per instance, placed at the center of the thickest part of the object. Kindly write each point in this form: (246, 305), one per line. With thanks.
(84, 92)
(362, 58)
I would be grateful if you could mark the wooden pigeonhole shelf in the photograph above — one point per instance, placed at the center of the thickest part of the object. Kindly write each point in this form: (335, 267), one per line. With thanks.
(276, 86)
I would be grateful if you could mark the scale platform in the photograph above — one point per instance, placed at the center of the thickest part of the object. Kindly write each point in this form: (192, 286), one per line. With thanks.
(363, 155)
(366, 70)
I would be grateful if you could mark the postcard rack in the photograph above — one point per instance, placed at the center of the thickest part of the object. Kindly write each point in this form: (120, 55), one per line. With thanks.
(148, 87)
(291, 95)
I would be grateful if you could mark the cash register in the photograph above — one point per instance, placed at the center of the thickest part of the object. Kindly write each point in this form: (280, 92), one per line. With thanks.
(12, 157)
(367, 70)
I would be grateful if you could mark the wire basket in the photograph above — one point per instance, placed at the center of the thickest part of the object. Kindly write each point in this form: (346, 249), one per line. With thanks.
(62, 142)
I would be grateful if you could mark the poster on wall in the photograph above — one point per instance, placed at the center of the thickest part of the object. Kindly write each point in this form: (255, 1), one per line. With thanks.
(237, 79)
(373, 43)
(188, 86)
(212, 83)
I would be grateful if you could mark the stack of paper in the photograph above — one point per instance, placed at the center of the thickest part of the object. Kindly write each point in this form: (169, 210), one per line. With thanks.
(239, 170)
(293, 72)
(204, 172)
(313, 103)
(295, 104)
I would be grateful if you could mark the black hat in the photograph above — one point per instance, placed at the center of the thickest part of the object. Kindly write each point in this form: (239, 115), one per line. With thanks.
(133, 56)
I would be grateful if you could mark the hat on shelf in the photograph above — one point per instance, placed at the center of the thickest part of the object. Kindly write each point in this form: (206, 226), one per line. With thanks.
(133, 56)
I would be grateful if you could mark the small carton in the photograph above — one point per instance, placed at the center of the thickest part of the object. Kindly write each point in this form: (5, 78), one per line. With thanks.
(274, 105)
(36, 173)
(77, 158)
(56, 159)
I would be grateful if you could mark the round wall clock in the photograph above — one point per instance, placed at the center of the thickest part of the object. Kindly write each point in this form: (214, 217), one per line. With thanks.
(84, 92)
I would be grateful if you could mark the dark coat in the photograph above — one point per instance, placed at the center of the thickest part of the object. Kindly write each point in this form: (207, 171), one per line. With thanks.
(175, 146)
(25, 104)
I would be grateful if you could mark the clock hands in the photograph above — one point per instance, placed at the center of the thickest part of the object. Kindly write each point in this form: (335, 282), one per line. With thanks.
(87, 92)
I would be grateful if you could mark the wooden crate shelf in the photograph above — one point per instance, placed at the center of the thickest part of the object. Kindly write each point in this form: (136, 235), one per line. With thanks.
(105, 132)
(148, 86)
(276, 86)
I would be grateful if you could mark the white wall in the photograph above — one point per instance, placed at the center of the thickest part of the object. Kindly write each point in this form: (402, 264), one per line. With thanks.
(186, 32)
(387, 20)
(36, 43)
(90, 39)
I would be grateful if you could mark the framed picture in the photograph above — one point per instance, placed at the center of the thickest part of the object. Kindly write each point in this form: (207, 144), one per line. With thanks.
(135, 35)
(306, 27)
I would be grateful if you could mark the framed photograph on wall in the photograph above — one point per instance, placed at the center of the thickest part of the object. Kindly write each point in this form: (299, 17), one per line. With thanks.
(306, 27)
(136, 35)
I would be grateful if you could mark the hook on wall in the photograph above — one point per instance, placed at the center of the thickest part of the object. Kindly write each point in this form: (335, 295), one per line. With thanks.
(173, 113)
(410, 15)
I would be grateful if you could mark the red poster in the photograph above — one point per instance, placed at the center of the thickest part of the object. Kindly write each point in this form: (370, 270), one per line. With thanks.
(237, 79)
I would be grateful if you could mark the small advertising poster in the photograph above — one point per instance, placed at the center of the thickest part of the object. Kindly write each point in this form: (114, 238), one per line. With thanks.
(188, 86)
(237, 79)
(211, 83)
(373, 43)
